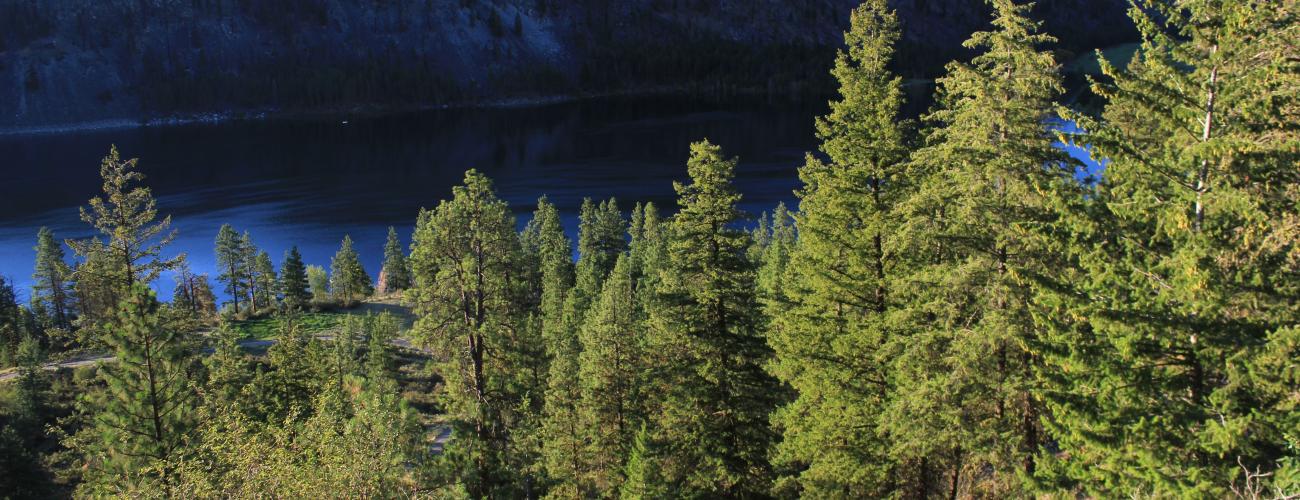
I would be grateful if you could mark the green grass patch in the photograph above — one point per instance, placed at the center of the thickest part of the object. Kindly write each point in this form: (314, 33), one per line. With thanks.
(269, 327)
(1087, 64)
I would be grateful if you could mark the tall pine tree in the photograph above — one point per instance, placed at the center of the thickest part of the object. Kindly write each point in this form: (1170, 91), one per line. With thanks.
(293, 281)
(1171, 374)
(977, 235)
(143, 415)
(830, 326)
(467, 292)
(714, 417)
(349, 282)
(52, 288)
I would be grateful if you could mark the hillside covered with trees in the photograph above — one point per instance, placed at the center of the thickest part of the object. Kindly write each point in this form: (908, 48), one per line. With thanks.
(952, 311)
(78, 61)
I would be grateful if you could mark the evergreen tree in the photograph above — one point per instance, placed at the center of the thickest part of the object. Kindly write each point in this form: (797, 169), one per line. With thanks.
(1170, 379)
(251, 281)
(610, 377)
(126, 215)
(396, 274)
(12, 329)
(829, 324)
(293, 281)
(601, 237)
(142, 417)
(642, 479)
(977, 234)
(349, 282)
(229, 370)
(52, 288)
(230, 260)
(714, 417)
(773, 260)
(464, 257)
(264, 279)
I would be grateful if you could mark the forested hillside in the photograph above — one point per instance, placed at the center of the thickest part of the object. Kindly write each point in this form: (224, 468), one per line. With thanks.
(950, 312)
(69, 61)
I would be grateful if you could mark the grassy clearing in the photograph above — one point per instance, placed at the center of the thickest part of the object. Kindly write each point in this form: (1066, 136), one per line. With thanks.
(269, 327)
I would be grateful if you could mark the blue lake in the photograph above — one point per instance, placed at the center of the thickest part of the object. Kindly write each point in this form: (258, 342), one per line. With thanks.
(309, 182)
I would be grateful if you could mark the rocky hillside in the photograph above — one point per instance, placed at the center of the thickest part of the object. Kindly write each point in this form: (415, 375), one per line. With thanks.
(75, 61)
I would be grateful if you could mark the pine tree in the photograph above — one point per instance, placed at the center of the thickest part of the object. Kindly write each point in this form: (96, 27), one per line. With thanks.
(264, 279)
(248, 256)
(976, 234)
(601, 237)
(228, 369)
(143, 415)
(293, 281)
(126, 215)
(349, 282)
(230, 260)
(1170, 375)
(773, 260)
(610, 371)
(396, 272)
(52, 287)
(714, 417)
(829, 324)
(12, 329)
(464, 258)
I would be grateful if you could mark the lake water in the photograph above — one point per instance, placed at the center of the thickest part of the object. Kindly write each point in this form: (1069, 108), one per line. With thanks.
(309, 182)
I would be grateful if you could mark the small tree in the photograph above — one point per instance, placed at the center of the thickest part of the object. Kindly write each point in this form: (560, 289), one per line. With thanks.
(348, 278)
(293, 281)
(396, 275)
(319, 280)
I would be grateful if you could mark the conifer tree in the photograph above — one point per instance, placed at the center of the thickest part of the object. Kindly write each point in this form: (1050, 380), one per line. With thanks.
(251, 281)
(349, 282)
(601, 237)
(396, 272)
(829, 323)
(52, 288)
(977, 236)
(12, 327)
(229, 370)
(1170, 379)
(143, 415)
(230, 260)
(293, 281)
(714, 416)
(610, 371)
(126, 217)
(264, 279)
(465, 255)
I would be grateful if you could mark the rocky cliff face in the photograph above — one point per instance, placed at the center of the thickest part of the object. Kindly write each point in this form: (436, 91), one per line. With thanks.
(71, 61)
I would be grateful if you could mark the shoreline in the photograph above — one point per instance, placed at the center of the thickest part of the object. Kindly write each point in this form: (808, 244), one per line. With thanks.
(343, 113)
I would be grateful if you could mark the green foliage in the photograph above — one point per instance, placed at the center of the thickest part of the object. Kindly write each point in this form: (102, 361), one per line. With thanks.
(125, 217)
(349, 282)
(713, 418)
(230, 260)
(977, 236)
(142, 417)
(319, 281)
(52, 288)
(364, 451)
(610, 372)
(396, 274)
(293, 286)
(1169, 359)
(264, 281)
(465, 257)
